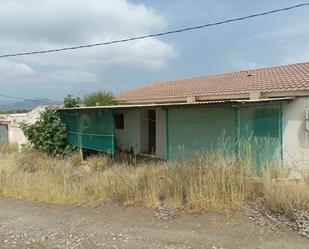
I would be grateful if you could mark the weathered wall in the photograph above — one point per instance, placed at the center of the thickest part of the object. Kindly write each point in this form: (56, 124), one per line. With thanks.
(14, 121)
(295, 137)
(135, 133)
(16, 135)
(130, 135)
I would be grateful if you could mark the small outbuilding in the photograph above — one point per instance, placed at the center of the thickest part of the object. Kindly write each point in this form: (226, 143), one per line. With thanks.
(262, 112)
(10, 125)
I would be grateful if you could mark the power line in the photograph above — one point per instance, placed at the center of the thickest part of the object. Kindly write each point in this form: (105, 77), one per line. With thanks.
(35, 101)
(18, 98)
(157, 34)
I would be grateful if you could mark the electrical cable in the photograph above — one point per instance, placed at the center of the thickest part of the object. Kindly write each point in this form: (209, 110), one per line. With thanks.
(156, 34)
(36, 101)
(18, 98)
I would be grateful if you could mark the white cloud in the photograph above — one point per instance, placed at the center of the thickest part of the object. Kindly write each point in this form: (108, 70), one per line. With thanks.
(72, 76)
(37, 25)
(9, 69)
(145, 54)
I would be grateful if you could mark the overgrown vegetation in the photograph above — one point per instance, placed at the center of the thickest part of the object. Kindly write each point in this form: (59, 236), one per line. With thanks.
(206, 183)
(71, 101)
(91, 99)
(282, 194)
(209, 184)
(48, 134)
(99, 98)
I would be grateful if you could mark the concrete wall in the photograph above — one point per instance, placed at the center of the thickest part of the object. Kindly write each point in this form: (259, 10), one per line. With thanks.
(16, 135)
(295, 139)
(135, 132)
(14, 121)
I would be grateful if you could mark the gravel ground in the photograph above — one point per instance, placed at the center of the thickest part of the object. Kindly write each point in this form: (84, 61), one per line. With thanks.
(261, 216)
(35, 226)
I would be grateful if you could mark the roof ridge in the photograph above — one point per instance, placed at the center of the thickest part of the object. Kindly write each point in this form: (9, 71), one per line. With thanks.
(270, 79)
(214, 75)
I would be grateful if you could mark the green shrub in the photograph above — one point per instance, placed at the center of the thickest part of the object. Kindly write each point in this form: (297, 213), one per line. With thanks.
(48, 134)
(71, 101)
(99, 98)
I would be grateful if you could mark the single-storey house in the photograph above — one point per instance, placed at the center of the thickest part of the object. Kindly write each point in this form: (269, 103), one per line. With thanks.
(263, 112)
(10, 125)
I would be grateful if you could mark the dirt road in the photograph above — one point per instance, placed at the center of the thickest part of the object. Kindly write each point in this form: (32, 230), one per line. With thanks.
(31, 225)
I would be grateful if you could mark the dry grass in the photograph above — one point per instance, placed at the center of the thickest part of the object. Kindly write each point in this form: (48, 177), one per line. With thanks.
(204, 183)
(283, 194)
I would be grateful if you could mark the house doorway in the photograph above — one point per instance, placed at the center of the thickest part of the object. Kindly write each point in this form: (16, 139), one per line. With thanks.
(152, 131)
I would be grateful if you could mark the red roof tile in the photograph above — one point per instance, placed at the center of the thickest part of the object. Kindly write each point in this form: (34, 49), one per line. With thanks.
(287, 78)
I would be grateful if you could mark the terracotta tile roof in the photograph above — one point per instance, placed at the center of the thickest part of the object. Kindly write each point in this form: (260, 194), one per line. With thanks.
(287, 78)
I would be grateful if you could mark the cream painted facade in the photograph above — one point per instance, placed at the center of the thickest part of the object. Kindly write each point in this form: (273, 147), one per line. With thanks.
(295, 137)
(135, 134)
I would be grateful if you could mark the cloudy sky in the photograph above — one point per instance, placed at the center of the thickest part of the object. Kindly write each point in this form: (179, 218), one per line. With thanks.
(27, 25)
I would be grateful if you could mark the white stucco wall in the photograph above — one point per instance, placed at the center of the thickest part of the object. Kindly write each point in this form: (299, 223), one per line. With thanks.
(295, 138)
(14, 121)
(135, 132)
(130, 135)
(16, 135)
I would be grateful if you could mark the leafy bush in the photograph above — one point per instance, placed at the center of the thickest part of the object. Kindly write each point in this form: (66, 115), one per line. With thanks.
(48, 134)
(99, 98)
(71, 101)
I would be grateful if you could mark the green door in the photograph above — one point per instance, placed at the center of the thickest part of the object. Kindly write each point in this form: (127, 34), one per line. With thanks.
(267, 135)
(4, 138)
(260, 133)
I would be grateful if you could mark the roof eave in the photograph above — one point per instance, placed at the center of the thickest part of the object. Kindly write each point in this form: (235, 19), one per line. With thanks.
(270, 94)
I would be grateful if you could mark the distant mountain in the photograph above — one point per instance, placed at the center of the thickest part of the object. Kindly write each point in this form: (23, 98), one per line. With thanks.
(27, 104)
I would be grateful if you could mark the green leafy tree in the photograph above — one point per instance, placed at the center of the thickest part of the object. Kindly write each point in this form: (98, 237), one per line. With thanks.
(99, 98)
(49, 134)
(71, 101)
